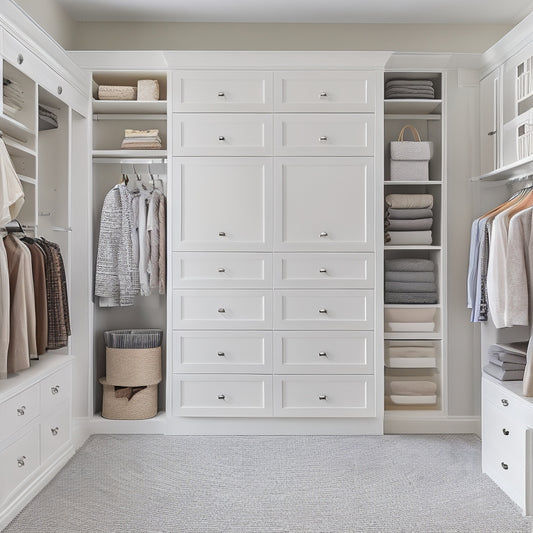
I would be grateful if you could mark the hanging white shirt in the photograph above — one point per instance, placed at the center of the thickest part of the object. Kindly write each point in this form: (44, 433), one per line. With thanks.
(11, 191)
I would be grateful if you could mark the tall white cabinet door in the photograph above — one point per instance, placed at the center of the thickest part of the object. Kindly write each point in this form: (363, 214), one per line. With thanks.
(222, 203)
(324, 204)
(489, 122)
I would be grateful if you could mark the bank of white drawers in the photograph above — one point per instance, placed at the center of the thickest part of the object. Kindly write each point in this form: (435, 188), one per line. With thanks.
(273, 171)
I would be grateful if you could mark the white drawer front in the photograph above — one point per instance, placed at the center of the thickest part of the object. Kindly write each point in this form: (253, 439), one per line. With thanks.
(246, 309)
(222, 203)
(55, 432)
(324, 204)
(331, 396)
(56, 389)
(19, 410)
(330, 91)
(220, 135)
(320, 352)
(324, 135)
(341, 270)
(221, 270)
(315, 309)
(501, 431)
(223, 352)
(223, 91)
(18, 461)
(213, 395)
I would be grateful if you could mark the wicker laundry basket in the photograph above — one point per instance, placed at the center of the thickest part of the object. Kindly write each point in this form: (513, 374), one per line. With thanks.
(117, 92)
(141, 405)
(133, 367)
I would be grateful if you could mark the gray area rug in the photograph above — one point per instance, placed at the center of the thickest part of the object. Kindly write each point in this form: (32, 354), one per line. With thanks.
(395, 483)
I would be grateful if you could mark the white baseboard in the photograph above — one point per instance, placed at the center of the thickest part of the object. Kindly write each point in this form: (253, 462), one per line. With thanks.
(450, 424)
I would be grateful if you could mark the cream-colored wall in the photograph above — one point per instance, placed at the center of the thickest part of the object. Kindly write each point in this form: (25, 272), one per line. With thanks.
(233, 36)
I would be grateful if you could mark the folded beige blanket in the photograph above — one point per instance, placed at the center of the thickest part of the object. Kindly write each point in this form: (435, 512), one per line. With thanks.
(423, 314)
(412, 351)
(141, 133)
(413, 388)
(141, 146)
(409, 201)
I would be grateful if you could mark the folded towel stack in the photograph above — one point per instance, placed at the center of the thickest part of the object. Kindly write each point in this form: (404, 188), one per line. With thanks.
(13, 96)
(141, 140)
(405, 392)
(408, 219)
(409, 89)
(410, 354)
(47, 118)
(410, 281)
(507, 362)
(409, 319)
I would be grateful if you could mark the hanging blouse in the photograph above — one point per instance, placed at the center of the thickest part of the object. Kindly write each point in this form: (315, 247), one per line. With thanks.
(11, 191)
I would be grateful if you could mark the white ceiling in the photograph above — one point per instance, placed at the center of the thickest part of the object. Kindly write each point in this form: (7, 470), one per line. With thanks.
(365, 11)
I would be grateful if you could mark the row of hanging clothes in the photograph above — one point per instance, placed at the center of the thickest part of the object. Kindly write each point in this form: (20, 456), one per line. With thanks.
(34, 311)
(500, 273)
(131, 257)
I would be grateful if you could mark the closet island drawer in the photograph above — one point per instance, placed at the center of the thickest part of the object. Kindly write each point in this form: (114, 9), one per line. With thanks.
(331, 91)
(502, 432)
(16, 412)
(222, 271)
(213, 309)
(222, 91)
(56, 389)
(222, 204)
(222, 352)
(320, 352)
(236, 134)
(213, 395)
(18, 461)
(342, 270)
(332, 396)
(324, 134)
(55, 432)
(317, 309)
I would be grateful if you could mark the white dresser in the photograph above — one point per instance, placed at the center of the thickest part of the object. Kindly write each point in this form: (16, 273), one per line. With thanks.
(273, 243)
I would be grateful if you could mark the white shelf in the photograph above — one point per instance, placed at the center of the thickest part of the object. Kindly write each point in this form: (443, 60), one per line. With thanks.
(519, 169)
(412, 182)
(18, 149)
(411, 247)
(412, 116)
(410, 306)
(26, 179)
(130, 107)
(408, 106)
(14, 128)
(130, 154)
(412, 335)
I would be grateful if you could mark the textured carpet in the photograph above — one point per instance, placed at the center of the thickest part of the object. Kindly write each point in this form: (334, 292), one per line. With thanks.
(405, 483)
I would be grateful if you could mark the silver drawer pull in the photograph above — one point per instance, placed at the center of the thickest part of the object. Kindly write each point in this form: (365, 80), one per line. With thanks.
(323, 311)
(221, 270)
(59, 89)
(323, 139)
(322, 270)
(322, 354)
(323, 234)
(20, 461)
(221, 354)
(221, 233)
(221, 138)
(54, 390)
(505, 402)
(221, 310)
(505, 466)
(221, 396)
(323, 397)
(491, 133)
(323, 94)
(54, 431)
(221, 94)
(505, 432)
(21, 411)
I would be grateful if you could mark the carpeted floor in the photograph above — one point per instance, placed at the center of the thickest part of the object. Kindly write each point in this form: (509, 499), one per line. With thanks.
(407, 483)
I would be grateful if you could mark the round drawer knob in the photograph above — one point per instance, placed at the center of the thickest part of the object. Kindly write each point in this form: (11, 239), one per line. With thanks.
(323, 397)
(221, 138)
(323, 311)
(21, 411)
(20, 59)
(221, 94)
(491, 133)
(322, 270)
(505, 402)
(323, 94)
(221, 233)
(55, 390)
(505, 466)
(221, 270)
(221, 396)
(323, 139)
(21, 461)
(221, 310)
(323, 234)
(221, 354)
(322, 354)
(54, 431)
(505, 432)
(59, 89)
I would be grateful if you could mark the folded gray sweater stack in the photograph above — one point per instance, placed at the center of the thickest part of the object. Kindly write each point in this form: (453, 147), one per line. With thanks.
(507, 362)
(410, 280)
(408, 219)
(413, 89)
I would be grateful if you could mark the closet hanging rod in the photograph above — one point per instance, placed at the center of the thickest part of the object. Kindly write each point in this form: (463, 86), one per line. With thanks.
(127, 116)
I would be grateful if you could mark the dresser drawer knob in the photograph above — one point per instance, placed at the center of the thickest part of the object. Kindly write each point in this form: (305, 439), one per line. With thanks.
(59, 89)
(505, 466)
(322, 354)
(21, 461)
(21, 411)
(221, 233)
(221, 94)
(491, 133)
(323, 397)
(505, 432)
(505, 402)
(222, 270)
(221, 396)
(323, 94)
(221, 138)
(323, 234)
(20, 59)
(322, 270)
(323, 311)
(54, 390)
(221, 310)
(221, 354)
(54, 431)
(323, 139)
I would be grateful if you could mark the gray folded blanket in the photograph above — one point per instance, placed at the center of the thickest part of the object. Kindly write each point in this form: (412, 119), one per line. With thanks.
(410, 286)
(417, 224)
(411, 298)
(409, 214)
(409, 83)
(410, 237)
(420, 277)
(518, 348)
(507, 366)
(408, 201)
(503, 375)
(393, 96)
(409, 264)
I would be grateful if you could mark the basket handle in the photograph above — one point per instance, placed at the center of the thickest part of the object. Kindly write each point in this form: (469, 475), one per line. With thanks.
(414, 133)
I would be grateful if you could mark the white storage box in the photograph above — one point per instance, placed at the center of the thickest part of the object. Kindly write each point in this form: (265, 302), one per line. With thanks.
(409, 170)
(410, 159)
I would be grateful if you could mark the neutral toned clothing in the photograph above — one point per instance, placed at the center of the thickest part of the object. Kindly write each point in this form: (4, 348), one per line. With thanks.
(4, 310)
(408, 201)
(11, 191)
(162, 245)
(144, 245)
(152, 226)
(41, 304)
